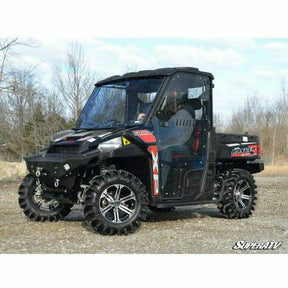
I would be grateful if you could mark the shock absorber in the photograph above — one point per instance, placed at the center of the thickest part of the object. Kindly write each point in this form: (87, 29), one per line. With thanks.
(103, 166)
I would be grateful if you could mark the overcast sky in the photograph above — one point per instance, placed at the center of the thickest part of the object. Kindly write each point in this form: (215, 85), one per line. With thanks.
(241, 67)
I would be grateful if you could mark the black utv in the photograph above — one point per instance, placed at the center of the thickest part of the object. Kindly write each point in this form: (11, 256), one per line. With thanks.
(143, 141)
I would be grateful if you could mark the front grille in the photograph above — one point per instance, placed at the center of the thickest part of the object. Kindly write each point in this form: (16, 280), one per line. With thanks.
(64, 149)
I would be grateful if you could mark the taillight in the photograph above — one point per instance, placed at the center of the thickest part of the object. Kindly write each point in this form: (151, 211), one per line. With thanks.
(259, 149)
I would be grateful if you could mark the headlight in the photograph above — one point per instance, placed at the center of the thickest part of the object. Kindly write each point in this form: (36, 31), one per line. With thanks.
(110, 145)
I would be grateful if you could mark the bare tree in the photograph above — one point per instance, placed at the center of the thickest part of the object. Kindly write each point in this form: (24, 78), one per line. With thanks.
(16, 114)
(29, 114)
(6, 51)
(74, 81)
(269, 121)
(218, 123)
(130, 67)
(283, 90)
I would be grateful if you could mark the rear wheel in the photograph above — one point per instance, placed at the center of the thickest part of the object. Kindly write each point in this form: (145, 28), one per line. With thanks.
(238, 194)
(35, 206)
(115, 203)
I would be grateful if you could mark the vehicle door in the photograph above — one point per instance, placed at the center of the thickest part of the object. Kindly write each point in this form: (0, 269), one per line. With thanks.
(180, 127)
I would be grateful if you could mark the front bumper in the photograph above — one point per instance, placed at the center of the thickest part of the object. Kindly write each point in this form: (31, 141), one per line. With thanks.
(58, 170)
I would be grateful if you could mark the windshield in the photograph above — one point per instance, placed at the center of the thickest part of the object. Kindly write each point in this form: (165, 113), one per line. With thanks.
(119, 104)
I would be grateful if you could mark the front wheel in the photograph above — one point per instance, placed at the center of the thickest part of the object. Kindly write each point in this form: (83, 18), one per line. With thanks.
(238, 194)
(115, 203)
(34, 204)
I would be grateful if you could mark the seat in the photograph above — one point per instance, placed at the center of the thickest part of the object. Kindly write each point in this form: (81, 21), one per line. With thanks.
(188, 157)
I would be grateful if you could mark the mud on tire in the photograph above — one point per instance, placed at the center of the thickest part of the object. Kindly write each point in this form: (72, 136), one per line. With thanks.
(115, 203)
(238, 194)
(34, 211)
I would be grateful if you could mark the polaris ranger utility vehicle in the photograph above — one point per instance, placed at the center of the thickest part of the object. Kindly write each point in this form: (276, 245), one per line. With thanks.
(143, 140)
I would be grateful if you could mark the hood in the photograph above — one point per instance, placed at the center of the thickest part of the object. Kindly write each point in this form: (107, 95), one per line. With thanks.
(78, 135)
(75, 141)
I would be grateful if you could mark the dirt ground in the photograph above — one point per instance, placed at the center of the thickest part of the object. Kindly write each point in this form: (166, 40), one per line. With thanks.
(194, 229)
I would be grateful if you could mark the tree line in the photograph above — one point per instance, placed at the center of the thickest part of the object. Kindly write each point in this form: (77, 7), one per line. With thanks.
(31, 111)
(268, 120)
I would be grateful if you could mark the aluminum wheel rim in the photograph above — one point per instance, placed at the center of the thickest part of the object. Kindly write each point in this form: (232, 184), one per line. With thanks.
(41, 202)
(118, 203)
(242, 194)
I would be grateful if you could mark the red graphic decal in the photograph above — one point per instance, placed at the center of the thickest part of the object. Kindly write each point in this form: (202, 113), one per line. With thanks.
(246, 154)
(249, 151)
(145, 135)
(253, 149)
(259, 149)
(154, 152)
(84, 139)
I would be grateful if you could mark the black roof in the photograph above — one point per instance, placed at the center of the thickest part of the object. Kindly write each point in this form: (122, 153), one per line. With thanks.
(151, 73)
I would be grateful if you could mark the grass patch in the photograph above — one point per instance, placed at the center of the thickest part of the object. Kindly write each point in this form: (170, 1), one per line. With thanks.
(275, 170)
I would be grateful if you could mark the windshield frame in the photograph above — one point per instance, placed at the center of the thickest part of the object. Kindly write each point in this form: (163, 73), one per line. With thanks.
(124, 125)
